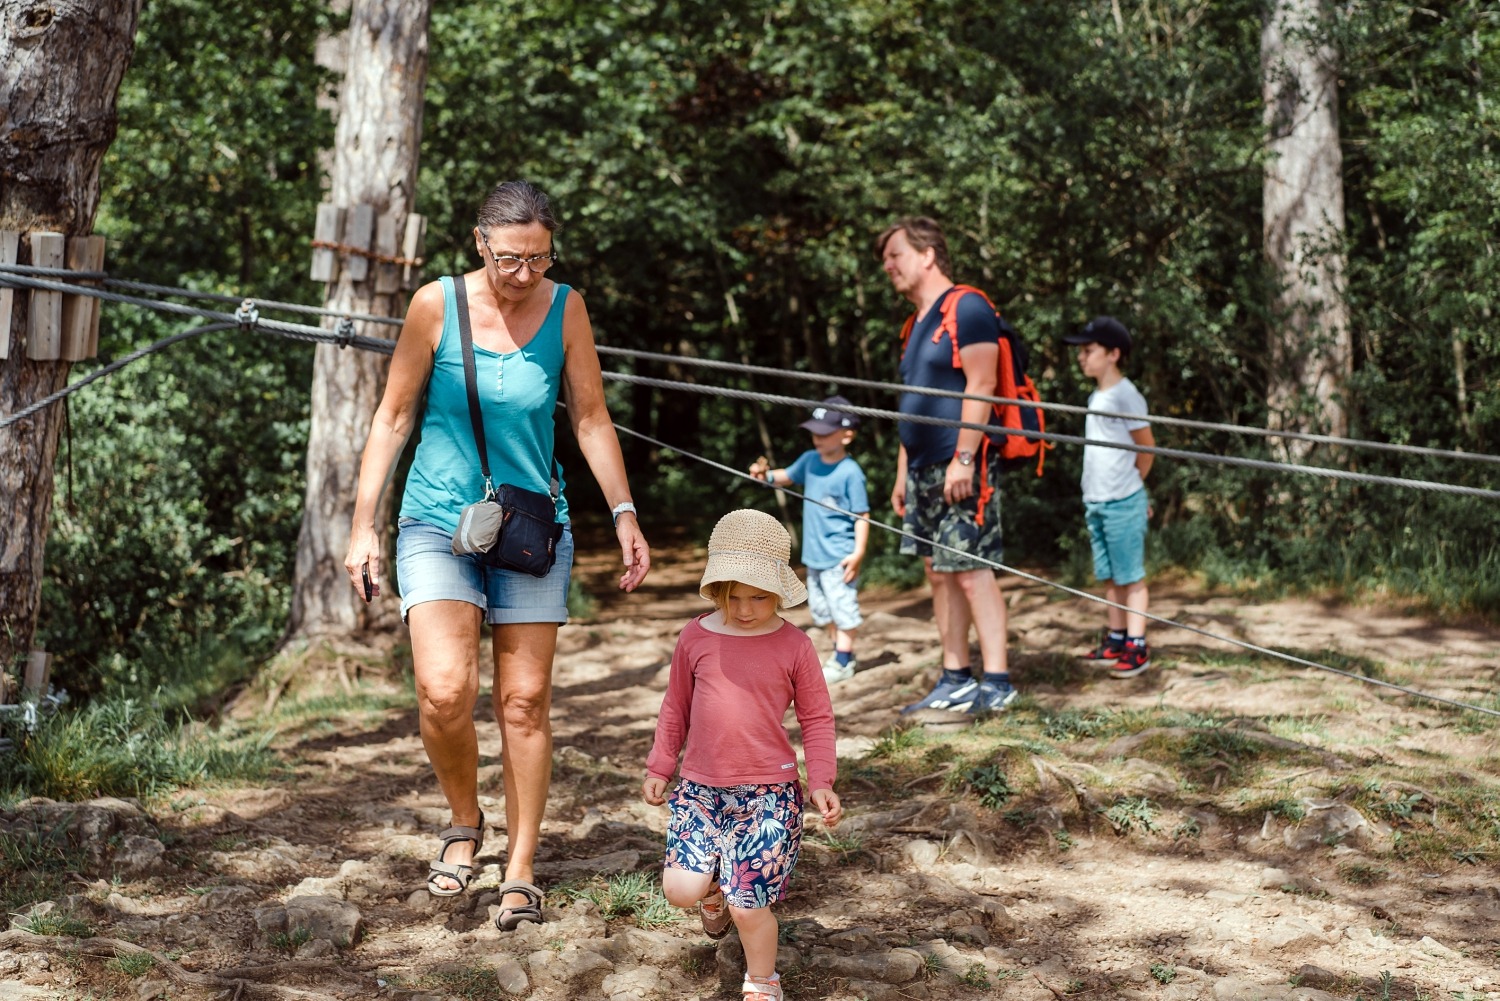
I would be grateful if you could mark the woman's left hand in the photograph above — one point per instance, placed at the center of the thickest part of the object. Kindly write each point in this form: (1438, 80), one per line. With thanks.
(827, 802)
(633, 548)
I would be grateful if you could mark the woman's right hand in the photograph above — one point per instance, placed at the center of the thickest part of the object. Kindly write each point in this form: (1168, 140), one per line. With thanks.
(364, 553)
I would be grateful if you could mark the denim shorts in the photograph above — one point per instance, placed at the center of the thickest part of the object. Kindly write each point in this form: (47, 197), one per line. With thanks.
(955, 526)
(829, 599)
(749, 835)
(1117, 533)
(427, 570)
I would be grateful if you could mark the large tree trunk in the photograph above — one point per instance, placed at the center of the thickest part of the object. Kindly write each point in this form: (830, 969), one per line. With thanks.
(60, 69)
(1310, 354)
(375, 163)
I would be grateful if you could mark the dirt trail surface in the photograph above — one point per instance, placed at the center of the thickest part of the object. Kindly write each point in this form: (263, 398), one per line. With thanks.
(1223, 827)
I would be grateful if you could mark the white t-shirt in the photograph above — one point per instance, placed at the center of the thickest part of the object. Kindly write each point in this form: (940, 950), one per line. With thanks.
(1110, 473)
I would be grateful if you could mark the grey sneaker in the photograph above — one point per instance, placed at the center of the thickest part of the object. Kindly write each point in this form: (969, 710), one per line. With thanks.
(834, 672)
(992, 698)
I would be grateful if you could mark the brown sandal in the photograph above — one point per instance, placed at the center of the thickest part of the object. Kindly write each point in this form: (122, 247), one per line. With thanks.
(459, 872)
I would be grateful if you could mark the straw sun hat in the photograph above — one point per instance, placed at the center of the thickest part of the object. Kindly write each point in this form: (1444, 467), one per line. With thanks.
(751, 547)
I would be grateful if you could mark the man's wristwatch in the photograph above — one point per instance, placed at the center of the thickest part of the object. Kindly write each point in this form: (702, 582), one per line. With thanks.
(624, 507)
(964, 458)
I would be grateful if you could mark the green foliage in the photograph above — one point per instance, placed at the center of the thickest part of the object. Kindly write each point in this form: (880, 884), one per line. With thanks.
(1163, 973)
(1131, 812)
(632, 893)
(990, 784)
(720, 172)
(125, 747)
(134, 964)
(57, 923)
(35, 866)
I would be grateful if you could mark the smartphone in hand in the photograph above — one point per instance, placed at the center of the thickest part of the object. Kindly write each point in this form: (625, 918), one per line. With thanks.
(369, 586)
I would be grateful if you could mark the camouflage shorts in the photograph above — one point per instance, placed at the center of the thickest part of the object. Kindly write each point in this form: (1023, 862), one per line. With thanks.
(931, 517)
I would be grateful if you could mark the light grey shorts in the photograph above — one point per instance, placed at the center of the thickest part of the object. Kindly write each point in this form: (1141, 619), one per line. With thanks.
(829, 599)
(427, 570)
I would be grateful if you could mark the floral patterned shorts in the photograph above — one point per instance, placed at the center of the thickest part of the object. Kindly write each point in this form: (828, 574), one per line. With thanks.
(748, 834)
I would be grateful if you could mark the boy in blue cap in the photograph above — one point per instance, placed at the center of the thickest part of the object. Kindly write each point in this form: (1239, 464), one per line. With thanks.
(1114, 493)
(833, 544)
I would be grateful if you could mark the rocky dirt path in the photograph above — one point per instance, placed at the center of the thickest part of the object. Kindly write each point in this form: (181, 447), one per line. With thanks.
(1221, 828)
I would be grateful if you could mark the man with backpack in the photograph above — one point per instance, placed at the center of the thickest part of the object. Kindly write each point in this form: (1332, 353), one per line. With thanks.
(947, 477)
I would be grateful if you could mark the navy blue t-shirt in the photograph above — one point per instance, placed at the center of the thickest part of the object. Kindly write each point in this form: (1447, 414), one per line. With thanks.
(931, 366)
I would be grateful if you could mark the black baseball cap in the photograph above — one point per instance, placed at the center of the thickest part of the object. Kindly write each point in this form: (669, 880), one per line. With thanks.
(1106, 331)
(830, 416)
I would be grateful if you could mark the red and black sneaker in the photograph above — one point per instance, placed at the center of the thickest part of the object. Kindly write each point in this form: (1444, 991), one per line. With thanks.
(1133, 660)
(1105, 653)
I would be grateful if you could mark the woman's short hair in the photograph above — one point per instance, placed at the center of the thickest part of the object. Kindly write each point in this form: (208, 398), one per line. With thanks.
(516, 203)
(718, 592)
(921, 232)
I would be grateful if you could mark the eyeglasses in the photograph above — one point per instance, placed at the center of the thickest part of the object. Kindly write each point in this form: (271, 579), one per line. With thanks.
(509, 264)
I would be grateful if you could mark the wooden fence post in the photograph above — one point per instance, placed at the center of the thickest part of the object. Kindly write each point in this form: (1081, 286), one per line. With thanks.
(411, 249)
(10, 240)
(359, 232)
(80, 313)
(44, 332)
(38, 671)
(325, 260)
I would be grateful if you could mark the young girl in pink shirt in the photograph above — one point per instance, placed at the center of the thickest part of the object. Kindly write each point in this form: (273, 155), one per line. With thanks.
(736, 821)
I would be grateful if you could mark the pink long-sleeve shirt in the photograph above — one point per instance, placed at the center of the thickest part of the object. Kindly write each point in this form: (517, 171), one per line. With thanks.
(724, 704)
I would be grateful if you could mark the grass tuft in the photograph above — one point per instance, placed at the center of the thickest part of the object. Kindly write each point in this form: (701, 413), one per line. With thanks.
(636, 894)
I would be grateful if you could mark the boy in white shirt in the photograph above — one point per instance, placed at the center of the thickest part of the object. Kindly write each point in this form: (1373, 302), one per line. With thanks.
(1114, 493)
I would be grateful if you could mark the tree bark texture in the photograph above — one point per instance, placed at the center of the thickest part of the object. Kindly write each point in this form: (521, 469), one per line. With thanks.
(1310, 353)
(61, 63)
(377, 141)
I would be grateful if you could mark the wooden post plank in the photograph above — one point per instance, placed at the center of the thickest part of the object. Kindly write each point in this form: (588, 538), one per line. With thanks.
(10, 240)
(325, 262)
(44, 330)
(411, 249)
(38, 671)
(359, 231)
(387, 276)
(80, 313)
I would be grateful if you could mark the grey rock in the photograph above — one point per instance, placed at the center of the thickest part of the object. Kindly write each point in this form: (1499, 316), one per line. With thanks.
(425, 903)
(896, 966)
(641, 946)
(223, 898)
(336, 921)
(149, 990)
(22, 919)
(636, 984)
(856, 940)
(269, 922)
(139, 856)
(509, 974)
(1291, 932)
(1236, 989)
(26, 992)
(920, 852)
(567, 971)
(316, 949)
(1328, 822)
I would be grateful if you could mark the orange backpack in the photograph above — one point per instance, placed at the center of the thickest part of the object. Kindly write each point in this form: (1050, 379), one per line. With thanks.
(1011, 382)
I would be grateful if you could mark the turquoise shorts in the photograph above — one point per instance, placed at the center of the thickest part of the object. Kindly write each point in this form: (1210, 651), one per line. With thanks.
(1117, 533)
(427, 570)
(748, 836)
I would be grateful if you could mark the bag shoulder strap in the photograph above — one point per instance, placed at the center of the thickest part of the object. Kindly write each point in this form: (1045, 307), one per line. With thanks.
(471, 380)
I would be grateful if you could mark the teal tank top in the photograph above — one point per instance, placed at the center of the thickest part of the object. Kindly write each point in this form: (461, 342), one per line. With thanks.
(518, 397)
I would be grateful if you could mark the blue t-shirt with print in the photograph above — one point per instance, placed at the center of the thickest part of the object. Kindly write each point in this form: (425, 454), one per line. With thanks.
(828, 536)
(930, 366)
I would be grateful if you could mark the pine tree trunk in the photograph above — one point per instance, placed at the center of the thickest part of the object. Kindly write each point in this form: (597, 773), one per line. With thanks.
(375, 163)
(60, 70)
(1310, 352)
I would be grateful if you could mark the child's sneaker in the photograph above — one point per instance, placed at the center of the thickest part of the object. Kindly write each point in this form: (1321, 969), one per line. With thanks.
(992, 697)
(949, 693)
(1133, 660)
(1106, 653)
(834, 672)
(715, 917)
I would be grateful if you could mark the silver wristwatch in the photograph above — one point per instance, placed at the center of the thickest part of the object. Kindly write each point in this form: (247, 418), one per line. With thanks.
(964, 458)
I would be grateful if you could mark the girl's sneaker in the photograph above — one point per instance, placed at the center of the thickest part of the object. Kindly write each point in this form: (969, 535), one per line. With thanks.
(1133, 660)
(715, 917)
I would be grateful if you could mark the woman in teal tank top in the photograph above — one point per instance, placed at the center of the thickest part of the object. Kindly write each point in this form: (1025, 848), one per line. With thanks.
(532, 344)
